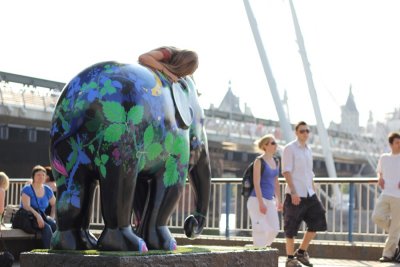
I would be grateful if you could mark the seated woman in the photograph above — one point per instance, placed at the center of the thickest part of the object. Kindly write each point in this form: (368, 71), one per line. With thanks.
(36, 198)
(4, 182)
(173, 62)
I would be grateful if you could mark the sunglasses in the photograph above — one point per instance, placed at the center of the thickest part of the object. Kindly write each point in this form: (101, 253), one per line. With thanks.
(304, 131)
(272, 143)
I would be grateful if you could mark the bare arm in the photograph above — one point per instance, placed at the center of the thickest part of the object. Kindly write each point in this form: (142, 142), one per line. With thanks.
(278, 194)
(2, 196)
(381, 182)
(26, 204)
(293, 193)
(153, 60)
(257, 186)
(277, 190)
(53, 206)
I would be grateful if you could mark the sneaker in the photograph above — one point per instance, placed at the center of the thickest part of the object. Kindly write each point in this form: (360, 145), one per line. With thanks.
(292, 263)
(385, 259)
(303, 258)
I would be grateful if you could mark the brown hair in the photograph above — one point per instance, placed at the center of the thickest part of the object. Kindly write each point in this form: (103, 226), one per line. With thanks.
(392, 136)
(37, 168)
(183, 62)
(4, 180)
(300, 123)
(49, 173)
(264, 140)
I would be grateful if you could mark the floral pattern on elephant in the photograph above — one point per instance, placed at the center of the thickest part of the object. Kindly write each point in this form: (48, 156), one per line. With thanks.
(119, 124)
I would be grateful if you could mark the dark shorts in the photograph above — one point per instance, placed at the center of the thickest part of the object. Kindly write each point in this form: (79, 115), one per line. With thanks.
(310, 210)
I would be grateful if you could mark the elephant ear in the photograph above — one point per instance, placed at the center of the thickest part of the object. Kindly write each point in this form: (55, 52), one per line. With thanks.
(180, 94)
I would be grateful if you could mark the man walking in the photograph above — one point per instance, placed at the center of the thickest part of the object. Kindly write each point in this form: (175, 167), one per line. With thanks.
(301, 202)
(387, 209)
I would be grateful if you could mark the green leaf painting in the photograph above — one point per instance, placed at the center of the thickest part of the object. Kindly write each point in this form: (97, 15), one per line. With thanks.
(180, 147)
(91, 85)
(148, 136)
(103, 171)
(60, 181)
(113, 132)
(114, 112)
(79, 105)
(65, 104)
(104, 158)
(171, 174)
(135, 114)
(153, 151)
(169, 142)
(108, 88)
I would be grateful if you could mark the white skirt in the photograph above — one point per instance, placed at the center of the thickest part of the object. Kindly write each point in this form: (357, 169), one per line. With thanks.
(265, 227)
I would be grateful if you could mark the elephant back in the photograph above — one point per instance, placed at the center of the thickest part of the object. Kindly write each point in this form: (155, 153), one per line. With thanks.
(120, 112)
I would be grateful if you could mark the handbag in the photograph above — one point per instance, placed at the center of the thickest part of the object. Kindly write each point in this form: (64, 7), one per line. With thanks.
(25, 220)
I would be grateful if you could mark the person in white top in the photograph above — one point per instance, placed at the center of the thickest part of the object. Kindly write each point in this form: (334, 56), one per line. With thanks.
(386, 213)
(301, 202)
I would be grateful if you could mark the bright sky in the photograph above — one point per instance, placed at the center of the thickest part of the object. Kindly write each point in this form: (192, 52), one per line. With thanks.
(348, 42)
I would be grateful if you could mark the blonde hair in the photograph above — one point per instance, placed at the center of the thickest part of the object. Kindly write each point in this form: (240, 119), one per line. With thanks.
(4, 181)
(264, 140)
(183, 62)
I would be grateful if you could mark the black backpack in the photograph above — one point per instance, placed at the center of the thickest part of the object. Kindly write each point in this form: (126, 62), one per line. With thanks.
(247, 181)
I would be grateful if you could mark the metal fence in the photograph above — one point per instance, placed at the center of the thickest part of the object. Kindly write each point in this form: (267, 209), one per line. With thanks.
(349, 203)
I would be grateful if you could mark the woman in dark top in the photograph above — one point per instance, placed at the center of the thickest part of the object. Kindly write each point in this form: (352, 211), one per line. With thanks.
(36, 198)
(173, 62)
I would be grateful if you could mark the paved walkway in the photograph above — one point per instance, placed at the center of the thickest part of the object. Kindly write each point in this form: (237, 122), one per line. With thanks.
(317, 262)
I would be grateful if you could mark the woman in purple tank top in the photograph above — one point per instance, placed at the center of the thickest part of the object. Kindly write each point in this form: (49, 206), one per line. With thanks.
(265, 199)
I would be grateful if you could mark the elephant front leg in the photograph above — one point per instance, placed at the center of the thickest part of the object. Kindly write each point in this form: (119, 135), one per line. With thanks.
(164, 200)
(117, 192)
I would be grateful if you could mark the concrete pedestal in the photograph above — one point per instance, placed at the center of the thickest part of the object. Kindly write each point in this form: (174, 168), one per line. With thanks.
(264, 258)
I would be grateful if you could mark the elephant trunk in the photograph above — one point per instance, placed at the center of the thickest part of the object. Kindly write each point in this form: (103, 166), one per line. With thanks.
(200, 179)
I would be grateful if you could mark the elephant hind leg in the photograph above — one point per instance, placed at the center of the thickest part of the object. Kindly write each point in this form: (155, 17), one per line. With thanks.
(74, 202)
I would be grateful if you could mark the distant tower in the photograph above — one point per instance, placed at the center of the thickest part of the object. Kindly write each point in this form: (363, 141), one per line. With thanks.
(350, 117)
(230, 103)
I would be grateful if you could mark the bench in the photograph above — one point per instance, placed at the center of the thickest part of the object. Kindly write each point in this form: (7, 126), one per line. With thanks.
(17, 241)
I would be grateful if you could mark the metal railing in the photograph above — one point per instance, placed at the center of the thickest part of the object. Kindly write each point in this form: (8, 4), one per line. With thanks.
(348, 216)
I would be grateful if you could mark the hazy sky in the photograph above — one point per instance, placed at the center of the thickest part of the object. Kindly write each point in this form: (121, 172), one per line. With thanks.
(348, 42)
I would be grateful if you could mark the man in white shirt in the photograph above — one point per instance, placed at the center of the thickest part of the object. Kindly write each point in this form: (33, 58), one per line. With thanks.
(387, 208)
(301, 202)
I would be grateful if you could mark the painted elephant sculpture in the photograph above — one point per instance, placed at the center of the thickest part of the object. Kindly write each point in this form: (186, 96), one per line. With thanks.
(140, 136)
